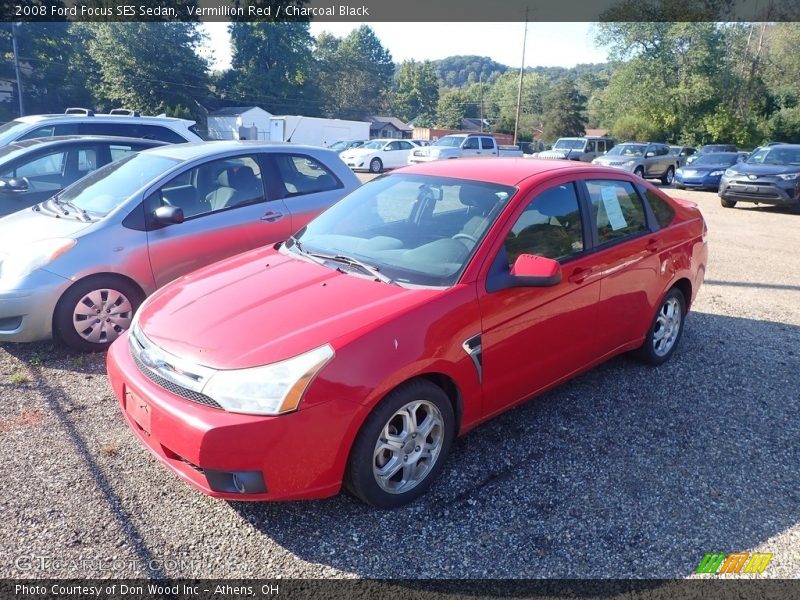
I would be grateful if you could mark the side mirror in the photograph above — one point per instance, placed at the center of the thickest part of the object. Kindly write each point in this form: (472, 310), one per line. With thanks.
(649, 154)
(531, 270)
(168, 215)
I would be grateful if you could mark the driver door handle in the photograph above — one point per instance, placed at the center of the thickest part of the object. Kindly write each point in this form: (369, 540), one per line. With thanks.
(271, 216)
(653, 246)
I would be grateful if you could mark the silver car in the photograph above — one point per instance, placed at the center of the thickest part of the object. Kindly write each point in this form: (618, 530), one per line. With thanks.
(78, 265)
(649, 160)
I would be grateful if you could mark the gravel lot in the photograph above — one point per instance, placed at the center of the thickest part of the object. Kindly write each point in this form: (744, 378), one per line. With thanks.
(626, 471)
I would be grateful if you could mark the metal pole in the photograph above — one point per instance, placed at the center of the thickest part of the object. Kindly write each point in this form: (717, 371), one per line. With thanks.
(480, 82)
(16, 67)
(521, 71)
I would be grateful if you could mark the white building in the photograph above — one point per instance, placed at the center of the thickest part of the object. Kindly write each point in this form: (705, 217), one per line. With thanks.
(239, 123)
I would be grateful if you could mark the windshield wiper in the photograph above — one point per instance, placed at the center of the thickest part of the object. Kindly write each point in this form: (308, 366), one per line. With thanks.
(62, 203)
(341, 258)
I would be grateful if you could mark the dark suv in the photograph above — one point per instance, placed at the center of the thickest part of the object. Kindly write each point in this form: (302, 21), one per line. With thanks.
(770, 175)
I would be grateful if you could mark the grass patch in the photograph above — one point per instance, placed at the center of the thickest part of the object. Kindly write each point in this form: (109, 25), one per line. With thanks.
(19, 378)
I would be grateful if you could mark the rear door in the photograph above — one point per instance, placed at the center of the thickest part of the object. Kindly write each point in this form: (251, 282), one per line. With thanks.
(224, 215)
(488, 147)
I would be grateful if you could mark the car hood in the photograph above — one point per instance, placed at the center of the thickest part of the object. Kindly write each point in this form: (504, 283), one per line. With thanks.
(262, 306)
(26, 226)
(356, 152)
(704, 168)
(755, 169)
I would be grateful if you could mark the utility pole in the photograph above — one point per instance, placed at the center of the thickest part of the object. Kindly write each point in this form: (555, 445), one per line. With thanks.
(480, 83)
(521, 71)
(16, 67)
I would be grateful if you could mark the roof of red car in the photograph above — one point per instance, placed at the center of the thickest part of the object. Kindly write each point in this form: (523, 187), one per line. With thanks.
(504, 171)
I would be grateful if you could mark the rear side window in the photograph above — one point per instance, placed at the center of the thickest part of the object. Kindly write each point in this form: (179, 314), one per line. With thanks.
(117, 129)
(488, 143)
(616, 208)
(156, 132)
(302, 174)
(663, 212)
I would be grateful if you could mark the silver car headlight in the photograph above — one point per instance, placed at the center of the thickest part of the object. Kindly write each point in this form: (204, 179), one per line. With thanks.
(789, 176)
(730, 173)
(22, 261)
(628, 164)
(269, 390)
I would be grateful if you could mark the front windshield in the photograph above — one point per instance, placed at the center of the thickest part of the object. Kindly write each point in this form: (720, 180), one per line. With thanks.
(11, 131)
(339, 146)
(564, 144)
(717, 158)
(449, 141)
(106, 188)
(627, 150)
(416, 229)
(674, 150)
(775, 155)
(373, 145)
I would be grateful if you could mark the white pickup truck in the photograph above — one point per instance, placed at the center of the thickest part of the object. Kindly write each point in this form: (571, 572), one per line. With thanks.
(462, 145)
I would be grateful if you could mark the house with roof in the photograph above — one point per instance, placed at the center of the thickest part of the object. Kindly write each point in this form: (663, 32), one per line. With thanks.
(239, 123)
(388, 127)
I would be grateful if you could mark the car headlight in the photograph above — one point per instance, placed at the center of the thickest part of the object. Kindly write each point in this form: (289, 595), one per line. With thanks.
(730, 173)
(629, 163)
(715, 173)
(789, 176)
(23, 261)
(269, 390)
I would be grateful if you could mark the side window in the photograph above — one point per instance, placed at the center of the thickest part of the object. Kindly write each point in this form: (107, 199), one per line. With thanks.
(690, 151)
(87, 160)
(617, 210)
(212, 187)
(663, 212)
(550, 226)
(662, 150)
(304, 175)
(487, 143)
(406, 145)
(156, 132)
(590, 147)
(47, 131)
(49, 164)
(471, 144)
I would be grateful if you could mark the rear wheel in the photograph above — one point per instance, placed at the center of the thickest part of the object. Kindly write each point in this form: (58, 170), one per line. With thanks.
(375, 165)
(402, 446)
(667, 178)
(95, 311)
(665, 330)
(727, 203)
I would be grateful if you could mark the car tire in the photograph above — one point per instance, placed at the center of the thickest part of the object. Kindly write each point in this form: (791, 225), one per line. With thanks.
(669, 176)
(86, 302)
(416, 464)
(375, 165)
(727, 203)
(665, 330)
(639, 172)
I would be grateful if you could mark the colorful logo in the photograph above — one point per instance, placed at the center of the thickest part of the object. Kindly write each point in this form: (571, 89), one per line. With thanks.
(739, 562)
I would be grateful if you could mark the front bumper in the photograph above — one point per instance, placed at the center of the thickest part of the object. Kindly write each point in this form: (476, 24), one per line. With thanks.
(621, 167)
(413, 160)
(26, 312)
(295, 454)
(761, 191)
(700, 182)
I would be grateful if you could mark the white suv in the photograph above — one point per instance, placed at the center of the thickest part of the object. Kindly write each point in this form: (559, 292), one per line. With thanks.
(81, 121)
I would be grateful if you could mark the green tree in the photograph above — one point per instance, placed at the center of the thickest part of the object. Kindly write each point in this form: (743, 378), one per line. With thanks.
(271, 66)
(129, 76)
(416, 92)
(500, 103)
(564, 108)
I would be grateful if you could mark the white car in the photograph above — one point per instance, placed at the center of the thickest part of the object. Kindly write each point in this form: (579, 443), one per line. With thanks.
(377, 155)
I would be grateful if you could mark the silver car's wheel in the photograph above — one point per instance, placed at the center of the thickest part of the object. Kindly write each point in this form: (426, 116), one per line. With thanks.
(95, 311)
(102, 315)
(408, 447)
(667, 326)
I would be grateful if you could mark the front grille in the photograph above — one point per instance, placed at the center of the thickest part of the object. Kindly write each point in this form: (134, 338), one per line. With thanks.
(174, 388)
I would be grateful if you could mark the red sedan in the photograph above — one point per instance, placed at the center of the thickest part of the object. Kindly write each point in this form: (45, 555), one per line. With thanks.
(420, 305)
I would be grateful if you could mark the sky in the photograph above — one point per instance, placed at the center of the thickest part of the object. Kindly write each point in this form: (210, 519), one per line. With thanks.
(549, 44)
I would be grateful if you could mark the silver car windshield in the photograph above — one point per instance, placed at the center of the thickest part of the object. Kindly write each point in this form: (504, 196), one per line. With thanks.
(627, 150)
(415, 229)
(106, 188)
(564, 144)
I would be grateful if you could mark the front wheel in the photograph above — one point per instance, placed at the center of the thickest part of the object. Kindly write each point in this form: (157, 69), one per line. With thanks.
(639, 172)
(665, 330)
(668, 176)
(375, 165)
(95, 311)
(402, 446)
(727, 203)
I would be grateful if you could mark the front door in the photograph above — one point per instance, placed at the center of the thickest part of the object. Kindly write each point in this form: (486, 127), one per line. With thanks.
(533, 337)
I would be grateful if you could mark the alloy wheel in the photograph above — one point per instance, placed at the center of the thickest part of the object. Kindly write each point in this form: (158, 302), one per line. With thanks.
(667, 327)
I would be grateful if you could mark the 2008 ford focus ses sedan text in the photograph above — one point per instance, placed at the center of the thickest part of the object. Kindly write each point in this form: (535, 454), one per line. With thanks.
(420, 305)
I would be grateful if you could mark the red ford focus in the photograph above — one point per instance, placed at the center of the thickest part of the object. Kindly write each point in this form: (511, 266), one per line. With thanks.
(420, 305)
